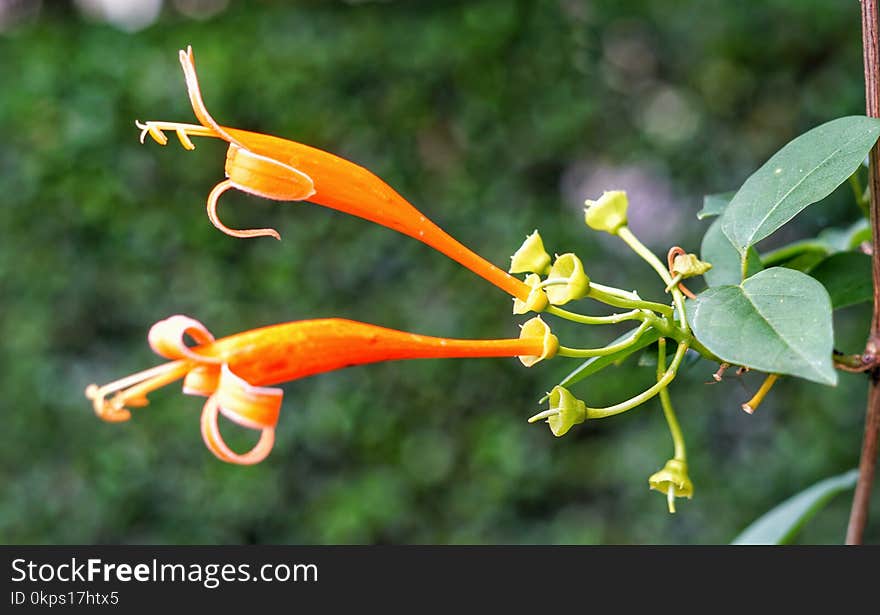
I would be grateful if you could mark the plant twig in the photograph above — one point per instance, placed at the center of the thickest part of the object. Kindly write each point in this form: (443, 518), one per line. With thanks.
(861, 500)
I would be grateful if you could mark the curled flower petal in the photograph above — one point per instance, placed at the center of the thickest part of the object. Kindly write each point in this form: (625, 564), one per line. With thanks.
(166, 338)
(218, 190)
(202, 381)
(215, 443)
(246, 404)
(188, 63)
(266, 177)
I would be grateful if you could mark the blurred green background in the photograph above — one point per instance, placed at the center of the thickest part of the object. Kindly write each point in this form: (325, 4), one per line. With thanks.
(494, 118)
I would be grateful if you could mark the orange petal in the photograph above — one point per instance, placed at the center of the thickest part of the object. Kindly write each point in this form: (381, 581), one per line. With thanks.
(266, 177)
(166, 338)
(201, 380)
(248, 405)
(187, 61)
(218, 190)
(215, 443)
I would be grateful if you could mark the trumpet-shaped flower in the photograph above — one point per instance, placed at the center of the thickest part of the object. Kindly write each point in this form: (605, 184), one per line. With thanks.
(282, 170)
(236, 373)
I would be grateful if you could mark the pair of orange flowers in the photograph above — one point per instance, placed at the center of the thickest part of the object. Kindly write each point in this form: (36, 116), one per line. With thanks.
(235, 373)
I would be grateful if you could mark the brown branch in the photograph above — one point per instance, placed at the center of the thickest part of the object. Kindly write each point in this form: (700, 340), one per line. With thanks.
(861, 500)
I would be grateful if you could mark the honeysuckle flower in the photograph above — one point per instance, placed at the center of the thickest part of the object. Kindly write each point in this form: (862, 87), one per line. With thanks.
(282, 170)
(565, 411)
(608, 213)
(236, 373)
(673, 481)
(566, 280)
(537, 299)
(531, 256)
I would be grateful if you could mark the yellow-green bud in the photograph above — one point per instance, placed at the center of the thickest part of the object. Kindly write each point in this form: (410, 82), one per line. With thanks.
(531, 256)
(569, 269)
(537, 328)
(565, 411)
(608, 213)
(688, 266)
(673, 481)
(537, 299)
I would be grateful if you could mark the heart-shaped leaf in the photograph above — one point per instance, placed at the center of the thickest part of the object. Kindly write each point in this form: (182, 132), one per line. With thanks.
(803, 172)
(780, 525)
(725, 259)
(777, 321)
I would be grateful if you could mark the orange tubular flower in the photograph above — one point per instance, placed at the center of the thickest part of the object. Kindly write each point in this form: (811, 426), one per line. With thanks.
(235, 373)
(283, 170)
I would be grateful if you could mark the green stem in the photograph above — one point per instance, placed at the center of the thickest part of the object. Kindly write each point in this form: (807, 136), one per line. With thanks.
(671, 420)
(617, 301)
(675, 282)
(662, 383)
(678, 297)
(617, 292)
(581, 353)
(595, 320)
(860, 194)
(639, 248)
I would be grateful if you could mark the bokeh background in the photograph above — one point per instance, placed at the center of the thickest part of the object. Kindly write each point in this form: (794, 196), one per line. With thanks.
(494, 118)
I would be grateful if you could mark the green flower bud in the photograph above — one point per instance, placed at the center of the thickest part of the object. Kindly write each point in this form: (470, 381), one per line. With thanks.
(566, 280)
(531, 256)
(537, 328)
(688, 266)
(608, 213)
(565, 411)
(537, 299)
(673, 480)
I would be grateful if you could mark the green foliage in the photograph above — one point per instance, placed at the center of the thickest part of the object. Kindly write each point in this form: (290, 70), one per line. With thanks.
(777, 321)
(781, 525)
(594, 365)
(485, 115)
(803, 172)
(714, 204)
(726, 261)
(847, 278)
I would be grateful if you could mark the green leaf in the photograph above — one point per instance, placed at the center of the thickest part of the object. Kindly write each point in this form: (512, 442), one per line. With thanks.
(595, 364)
(803, 172)
(781, 525)
(714, 204)
(725, 259)
(800, 255)
(847, 278)
(777, 321)
(843, 239)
